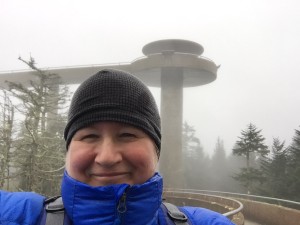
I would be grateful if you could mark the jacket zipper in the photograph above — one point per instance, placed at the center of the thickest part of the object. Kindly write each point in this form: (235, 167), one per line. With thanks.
(121, 209)
(122, 204)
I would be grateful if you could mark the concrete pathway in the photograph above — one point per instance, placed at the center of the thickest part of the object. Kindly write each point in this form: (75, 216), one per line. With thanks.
(248, 222)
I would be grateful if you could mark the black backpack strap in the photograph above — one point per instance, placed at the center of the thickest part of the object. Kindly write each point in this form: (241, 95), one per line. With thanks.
(177, 217)
(55, 211)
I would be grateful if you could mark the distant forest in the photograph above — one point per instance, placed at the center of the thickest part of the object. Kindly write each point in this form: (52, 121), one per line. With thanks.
(32, 148)
(252, 168)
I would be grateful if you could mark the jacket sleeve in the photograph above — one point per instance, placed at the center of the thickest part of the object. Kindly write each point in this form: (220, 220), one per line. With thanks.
(202, 216)
(20, 208)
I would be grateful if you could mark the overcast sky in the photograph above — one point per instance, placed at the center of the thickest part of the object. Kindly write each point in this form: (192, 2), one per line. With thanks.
(256, 42)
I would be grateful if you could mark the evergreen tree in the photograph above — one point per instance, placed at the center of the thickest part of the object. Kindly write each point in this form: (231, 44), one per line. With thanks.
(195, 161)
(274, 169)
(250, 143)
(39, 147)
(218, 167)
(294, 168)
(6, 133)
(234, 165)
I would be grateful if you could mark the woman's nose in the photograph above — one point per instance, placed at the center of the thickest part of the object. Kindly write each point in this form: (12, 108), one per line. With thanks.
(107, 153)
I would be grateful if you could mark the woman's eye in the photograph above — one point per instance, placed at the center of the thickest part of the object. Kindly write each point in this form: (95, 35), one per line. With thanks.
(128, 135)
(89, 137)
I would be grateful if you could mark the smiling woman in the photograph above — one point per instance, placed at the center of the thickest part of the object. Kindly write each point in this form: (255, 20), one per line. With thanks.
(113, 131)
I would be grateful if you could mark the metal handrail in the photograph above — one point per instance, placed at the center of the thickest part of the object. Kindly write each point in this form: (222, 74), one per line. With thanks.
(271, 200)
(227, 214)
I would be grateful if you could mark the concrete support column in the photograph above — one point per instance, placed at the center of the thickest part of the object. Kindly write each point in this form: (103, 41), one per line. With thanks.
(170, 163)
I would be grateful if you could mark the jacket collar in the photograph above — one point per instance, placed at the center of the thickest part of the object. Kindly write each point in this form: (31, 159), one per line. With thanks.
(114, 204)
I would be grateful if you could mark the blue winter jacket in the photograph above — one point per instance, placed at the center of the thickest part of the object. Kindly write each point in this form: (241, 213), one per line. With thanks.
(108, 205)
(20, 208)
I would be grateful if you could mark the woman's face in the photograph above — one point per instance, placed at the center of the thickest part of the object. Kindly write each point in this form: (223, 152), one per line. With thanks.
(111, 153)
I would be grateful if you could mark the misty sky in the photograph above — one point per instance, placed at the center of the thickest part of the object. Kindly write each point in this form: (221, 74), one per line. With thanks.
(256, 42)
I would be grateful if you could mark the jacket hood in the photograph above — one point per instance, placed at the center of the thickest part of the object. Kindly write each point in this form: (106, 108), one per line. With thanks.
(113, 204)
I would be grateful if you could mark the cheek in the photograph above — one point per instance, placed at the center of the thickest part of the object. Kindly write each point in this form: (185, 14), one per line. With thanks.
(78, 160)
(144, 160)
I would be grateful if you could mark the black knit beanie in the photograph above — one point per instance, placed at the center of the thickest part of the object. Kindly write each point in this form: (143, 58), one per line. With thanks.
(113, 95)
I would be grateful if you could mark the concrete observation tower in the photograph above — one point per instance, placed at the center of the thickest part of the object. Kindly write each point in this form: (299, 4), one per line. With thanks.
(171, 64)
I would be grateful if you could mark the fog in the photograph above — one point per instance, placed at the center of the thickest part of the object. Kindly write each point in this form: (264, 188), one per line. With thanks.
(256, 43)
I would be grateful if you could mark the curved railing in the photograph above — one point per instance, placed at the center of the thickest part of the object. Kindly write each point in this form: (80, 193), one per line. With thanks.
(261, 209)
(229, 207)
(270, 200)
(228, 214)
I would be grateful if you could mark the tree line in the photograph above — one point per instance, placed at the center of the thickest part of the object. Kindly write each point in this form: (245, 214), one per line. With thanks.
(32, 149)
(251, 168)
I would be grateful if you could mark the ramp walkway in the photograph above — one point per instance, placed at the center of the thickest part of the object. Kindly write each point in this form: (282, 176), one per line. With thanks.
(249, 222)
(242, 209)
